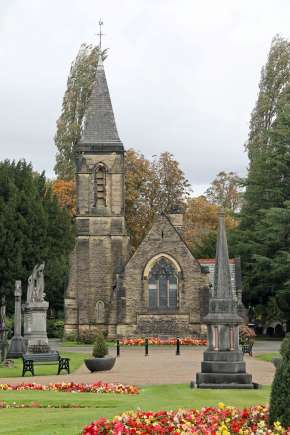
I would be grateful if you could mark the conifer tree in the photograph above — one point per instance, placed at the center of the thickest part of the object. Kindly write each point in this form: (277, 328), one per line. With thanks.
(280, 397)
(264, 235)
(261, 192)
(33, 228)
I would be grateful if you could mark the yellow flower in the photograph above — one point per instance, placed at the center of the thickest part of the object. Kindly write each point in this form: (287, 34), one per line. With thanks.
(277, 426)
(223, 430)
(221, 405)
(261, 424)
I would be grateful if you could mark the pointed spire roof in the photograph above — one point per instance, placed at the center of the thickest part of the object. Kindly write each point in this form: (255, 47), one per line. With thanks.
(99, 129)
(222, 276)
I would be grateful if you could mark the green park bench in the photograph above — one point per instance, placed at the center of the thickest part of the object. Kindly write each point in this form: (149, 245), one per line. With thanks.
(30, 359)
(248, 348)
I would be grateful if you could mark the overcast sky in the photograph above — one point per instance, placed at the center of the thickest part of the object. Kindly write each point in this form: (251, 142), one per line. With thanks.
(183, 74)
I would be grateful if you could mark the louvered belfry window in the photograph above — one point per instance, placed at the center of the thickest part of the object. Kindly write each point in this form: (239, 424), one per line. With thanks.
(162, 286)
(100, 186)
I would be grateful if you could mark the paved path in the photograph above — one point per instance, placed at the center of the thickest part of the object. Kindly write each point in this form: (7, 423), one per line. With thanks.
(260, 346)
(162, 366)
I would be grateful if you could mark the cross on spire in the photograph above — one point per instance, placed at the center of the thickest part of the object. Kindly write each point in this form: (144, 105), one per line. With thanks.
(100, 34)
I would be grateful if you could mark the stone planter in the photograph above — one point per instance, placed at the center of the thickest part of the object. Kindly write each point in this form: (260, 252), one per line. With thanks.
(100, 364)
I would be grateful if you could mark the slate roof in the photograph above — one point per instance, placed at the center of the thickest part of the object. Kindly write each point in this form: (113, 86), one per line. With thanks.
(99, 129)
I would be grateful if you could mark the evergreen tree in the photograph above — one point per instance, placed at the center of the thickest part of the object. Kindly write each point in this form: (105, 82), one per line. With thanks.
(264, 235)
(69, 124)
(280, 397)
(261, 192)
(33, 228)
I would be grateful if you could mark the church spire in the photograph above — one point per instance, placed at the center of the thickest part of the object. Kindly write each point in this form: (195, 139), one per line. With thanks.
(99, 130)
(222, 276)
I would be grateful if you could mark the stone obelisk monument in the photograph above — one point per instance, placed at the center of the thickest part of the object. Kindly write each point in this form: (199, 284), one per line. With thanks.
(223, 365)
(17, 346)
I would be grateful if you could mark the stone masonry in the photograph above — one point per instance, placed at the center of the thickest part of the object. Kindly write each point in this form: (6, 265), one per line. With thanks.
(161, 289)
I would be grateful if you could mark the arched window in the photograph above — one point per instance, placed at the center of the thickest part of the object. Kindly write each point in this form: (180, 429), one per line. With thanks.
(100, 312)
(100, 186)
(162, 285)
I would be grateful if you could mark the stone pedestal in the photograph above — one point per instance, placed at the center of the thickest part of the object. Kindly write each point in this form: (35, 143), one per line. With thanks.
(223, 369)
(17, 346)
(35, 323)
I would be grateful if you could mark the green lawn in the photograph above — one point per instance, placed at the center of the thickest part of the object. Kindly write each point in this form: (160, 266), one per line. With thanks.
(70, 421)
(268, 356)
(67, 343)
(76, 360)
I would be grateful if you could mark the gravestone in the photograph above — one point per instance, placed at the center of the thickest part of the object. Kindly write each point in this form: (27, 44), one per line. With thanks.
(3, 331)
(223, 365)
(17, 345)
(35, 312)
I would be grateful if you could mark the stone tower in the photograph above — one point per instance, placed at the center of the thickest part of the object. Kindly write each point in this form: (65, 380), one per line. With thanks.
(101, 242)
(223, 365)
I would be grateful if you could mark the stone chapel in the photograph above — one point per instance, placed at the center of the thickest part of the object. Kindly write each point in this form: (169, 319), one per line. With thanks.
(161, 288)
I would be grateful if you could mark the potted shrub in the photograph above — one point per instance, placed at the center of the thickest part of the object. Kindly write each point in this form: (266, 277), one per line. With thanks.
(101, 361)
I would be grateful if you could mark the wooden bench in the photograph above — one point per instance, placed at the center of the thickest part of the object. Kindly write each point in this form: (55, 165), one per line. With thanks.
(30, 359)
(248, 348)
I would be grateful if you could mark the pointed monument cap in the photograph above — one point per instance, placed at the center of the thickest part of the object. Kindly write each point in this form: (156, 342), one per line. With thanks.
(99, 129)
(222, 276)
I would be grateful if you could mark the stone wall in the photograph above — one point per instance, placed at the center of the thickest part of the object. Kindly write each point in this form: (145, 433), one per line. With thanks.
(162, 239)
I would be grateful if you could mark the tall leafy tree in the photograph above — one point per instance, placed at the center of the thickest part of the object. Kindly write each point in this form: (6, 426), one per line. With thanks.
(69, 124)
(274, 78)
(65, 191)
(263, 238)
(261, 192)
(225, 190)
(200, 226)
(152, 187)
(33, 228)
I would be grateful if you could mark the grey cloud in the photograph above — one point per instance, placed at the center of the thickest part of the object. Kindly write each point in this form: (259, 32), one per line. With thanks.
(183, 75)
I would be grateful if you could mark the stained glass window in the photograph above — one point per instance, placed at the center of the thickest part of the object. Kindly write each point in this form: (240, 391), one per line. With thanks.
(162, 285)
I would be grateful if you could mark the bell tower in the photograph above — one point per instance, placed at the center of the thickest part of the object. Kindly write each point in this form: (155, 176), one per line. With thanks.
(101, 242)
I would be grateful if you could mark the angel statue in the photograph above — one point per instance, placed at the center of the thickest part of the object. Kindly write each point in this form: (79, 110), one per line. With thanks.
(35, 287)
(40, 295)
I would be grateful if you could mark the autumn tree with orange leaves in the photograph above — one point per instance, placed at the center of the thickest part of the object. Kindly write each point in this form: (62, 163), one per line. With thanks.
(200, 225)
(152, 187)
(65, 192)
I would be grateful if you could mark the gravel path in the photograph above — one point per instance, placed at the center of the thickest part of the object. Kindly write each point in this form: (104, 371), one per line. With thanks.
(162, 366)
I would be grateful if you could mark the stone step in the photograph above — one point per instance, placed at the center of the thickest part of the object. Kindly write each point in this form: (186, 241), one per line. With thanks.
(223, 378)
(223, 367)
(227, 386)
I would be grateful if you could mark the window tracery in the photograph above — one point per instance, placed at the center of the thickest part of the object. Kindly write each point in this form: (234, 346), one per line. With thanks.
(162, 285)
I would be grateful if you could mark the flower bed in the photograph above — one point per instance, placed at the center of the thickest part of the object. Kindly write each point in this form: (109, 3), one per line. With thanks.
(223, 420)
(189, 341)
(72, 387)
(5, 405)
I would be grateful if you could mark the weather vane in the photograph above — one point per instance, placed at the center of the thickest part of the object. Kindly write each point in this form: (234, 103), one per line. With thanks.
(100, 34)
